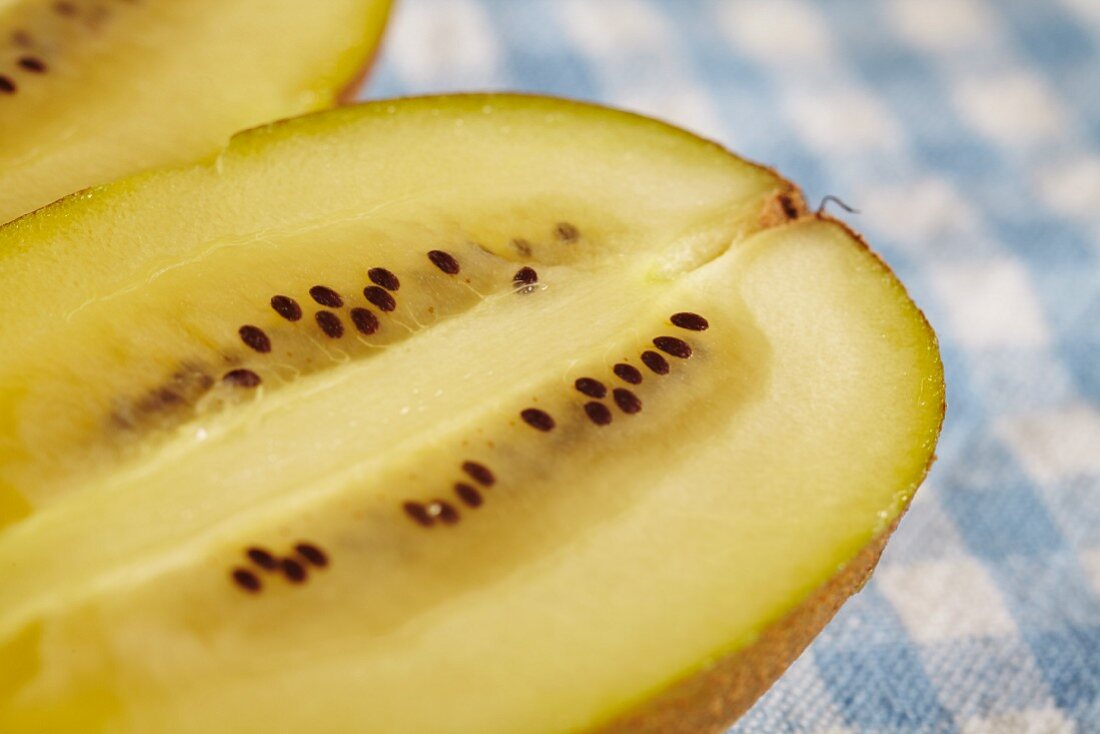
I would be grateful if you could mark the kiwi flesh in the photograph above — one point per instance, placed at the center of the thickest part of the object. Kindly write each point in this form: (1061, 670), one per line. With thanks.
(453, 414)
(91, 90)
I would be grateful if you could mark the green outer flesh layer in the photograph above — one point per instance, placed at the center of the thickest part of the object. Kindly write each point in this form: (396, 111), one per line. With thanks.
(677, 230)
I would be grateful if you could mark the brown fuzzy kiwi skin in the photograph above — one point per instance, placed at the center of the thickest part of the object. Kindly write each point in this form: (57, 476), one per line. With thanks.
(710, 700)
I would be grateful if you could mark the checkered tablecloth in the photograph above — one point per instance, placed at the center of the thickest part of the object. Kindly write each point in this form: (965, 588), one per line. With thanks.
(967, 133)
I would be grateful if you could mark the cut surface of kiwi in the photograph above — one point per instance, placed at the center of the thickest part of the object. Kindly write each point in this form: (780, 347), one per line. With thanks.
(91, 90)
(455, 414)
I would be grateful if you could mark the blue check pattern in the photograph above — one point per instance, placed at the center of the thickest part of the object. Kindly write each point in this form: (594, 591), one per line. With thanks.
(967, 133)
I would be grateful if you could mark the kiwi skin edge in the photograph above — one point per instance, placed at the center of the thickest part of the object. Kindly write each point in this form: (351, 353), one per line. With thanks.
(710, 700)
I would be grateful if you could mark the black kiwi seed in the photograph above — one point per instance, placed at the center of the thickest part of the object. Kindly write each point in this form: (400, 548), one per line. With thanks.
(326, 296)
(418, 513)
(241, 378)
(672, 345)
(286, 307)
(590, 387)
(469, 495)
(330, 323)
(479, 473)
(627, 401)
(255, 338)
(380, 297)
(247, 580)
(384, 278)
(567, 232)
(262, 558)
(33, 64)
(365, 321)
(7, 86)
(689, 321)
(655, 362)
(597, 413)
(295, 572)
(524, 280)
(444, 510)
(312, 554)
(538, 419)
(628, 373)
(444, 261)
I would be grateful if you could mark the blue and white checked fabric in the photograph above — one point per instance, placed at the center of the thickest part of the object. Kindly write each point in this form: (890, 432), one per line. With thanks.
(967, 132)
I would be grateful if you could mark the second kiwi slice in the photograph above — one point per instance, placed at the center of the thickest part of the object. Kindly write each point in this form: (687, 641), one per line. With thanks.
(91, 90)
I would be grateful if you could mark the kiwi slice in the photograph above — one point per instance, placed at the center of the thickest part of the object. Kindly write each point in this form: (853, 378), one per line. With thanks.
(453, 414)
(91, 90)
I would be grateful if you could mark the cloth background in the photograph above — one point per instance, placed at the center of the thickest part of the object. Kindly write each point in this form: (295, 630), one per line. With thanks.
(967, 133)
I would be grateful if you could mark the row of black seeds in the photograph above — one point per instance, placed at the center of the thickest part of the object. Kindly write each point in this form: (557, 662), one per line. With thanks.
(294, 569)
(363, 319)
(626, 400)
(426, 515)
(379, 295)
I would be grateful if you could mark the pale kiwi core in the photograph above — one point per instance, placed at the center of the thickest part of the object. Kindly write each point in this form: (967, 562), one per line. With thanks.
(473, 414)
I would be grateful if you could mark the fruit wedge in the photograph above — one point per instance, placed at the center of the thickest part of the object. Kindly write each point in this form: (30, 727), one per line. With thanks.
(91, 90)
(457, 414)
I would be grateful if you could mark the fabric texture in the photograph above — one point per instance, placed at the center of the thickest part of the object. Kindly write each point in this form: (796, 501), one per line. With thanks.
(967, 134)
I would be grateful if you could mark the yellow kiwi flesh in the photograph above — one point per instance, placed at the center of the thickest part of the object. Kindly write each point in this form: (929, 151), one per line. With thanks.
(91, 90)
(458, 541)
